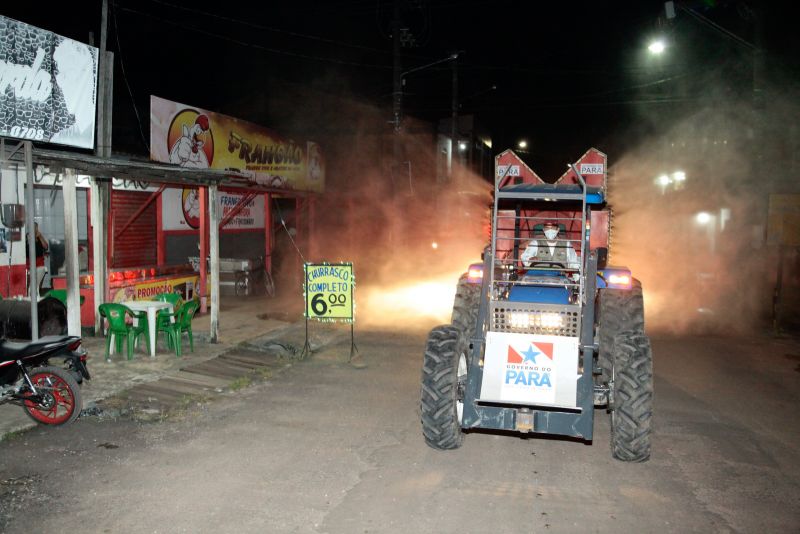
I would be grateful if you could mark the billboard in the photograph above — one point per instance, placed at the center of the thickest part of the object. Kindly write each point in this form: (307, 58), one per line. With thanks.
(198, 138)
(180, 210)
(48, 86)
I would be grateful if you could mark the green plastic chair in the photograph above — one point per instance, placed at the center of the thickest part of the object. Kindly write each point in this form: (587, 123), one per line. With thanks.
(118, 327)
(163, 316)
(60, 294)
(182, 324)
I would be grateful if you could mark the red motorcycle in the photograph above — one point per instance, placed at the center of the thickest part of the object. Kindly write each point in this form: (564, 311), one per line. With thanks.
(49, 394)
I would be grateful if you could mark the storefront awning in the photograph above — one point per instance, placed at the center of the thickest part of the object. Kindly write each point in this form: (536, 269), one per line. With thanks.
(148, 171)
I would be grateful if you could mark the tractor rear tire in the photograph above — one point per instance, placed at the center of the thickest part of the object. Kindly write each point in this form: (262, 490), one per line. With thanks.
(465, 305)
(620, 310)
(631, 398)
(444, 374)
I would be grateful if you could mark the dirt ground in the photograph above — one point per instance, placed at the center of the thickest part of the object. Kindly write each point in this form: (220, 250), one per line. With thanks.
(325, 448)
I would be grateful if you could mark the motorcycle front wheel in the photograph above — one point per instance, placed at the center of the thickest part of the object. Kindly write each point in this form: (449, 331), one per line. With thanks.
(59, 398)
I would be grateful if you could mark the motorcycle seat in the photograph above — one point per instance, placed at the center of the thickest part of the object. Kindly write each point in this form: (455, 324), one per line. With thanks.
(10, 350)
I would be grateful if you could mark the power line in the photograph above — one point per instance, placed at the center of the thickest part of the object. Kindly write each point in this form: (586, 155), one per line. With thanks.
(558, 105)
(270, 28)
(125, 77)
(253, 45)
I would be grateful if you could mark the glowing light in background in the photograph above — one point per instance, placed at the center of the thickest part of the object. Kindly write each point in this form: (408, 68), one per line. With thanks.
(523, 144)
(674, 181)
(703, 217)
(422, 303)
(657, 47)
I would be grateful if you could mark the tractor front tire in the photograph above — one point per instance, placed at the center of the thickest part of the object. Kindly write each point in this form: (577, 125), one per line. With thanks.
(465, 305)
(444, 375)
(620, 310)
(631, 398)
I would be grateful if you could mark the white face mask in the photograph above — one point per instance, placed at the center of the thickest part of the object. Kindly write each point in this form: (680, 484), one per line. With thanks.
(551, 233)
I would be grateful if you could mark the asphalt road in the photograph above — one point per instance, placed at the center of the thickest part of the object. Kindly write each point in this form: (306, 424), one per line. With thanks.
(323, 447)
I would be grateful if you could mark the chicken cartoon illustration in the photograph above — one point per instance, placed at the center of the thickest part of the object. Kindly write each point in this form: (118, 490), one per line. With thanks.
(314, 162)
(188, 149)
(191, 207)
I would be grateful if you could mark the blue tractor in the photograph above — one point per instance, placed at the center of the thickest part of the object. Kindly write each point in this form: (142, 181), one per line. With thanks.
(543, 331)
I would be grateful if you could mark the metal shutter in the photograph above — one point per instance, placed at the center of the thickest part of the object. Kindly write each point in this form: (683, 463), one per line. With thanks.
(136, 246)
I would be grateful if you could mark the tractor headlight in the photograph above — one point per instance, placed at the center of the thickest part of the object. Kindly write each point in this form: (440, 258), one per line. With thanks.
(520, 320)
(475, 273)
(524, 320)
(620, 280)
(551, 320)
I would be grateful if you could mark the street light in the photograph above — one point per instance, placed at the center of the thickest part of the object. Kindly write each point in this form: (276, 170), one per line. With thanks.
(709, 222)
(400, 83)
(663, 181)
(462, 146)
(676, 180)
(703, 218)
(523, 144)
(657, 47)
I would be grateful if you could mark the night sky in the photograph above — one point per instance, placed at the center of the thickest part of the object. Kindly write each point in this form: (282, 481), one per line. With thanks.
(566, 75)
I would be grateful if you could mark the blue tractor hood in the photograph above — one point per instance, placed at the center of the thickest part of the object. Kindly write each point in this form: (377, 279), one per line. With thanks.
(542, 294)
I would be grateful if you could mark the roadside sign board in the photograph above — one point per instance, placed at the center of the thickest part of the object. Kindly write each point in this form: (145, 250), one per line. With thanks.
(329, 290)
(48, 86)
(783, 222)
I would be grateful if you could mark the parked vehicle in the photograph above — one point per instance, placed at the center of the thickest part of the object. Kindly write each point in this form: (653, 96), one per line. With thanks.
(543, 331)
(49, 394)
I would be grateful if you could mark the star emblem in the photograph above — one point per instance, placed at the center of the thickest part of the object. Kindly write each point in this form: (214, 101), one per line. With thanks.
(530, 355)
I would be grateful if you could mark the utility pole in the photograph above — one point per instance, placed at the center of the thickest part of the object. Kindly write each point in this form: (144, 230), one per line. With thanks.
(101, 190)
(104, 89)
(397, 80)
(758, 80)
(30, 206)
(454, 119)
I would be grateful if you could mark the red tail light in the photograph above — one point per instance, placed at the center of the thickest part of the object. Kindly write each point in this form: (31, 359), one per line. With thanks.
(74, 345)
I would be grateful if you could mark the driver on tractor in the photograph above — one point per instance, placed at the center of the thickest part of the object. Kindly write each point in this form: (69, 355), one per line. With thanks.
(550, 250)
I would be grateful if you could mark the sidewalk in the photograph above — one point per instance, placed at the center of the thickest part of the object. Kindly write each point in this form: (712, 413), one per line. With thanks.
(241, 320)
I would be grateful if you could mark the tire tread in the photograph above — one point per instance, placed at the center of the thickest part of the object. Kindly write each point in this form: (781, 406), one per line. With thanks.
(633, 398)
(440, 425)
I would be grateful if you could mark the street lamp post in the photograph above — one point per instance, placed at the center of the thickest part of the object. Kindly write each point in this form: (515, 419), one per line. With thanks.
(657, 47)
(401, 82)
(708, 221)
(397, 103)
